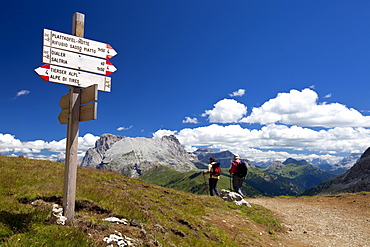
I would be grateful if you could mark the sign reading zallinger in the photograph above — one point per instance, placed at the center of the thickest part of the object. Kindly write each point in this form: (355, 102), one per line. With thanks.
(76, 44)
(73, 77)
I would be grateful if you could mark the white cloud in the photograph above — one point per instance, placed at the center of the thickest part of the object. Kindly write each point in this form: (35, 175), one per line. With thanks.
(327, 96)
(190, 120)
(22, 92)
(123, 128)
(284, 133)
(301, 109)
(275, 141)
(159, 133)
(285, 129)
(40, 149)
(226, 111)
(240, 93)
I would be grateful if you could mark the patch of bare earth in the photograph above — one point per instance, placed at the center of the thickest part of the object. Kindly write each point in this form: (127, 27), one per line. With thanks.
(322, 221)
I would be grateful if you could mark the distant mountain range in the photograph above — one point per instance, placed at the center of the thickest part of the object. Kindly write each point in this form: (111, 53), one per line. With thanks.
(334, 169)
(356, 179)
(165, 162)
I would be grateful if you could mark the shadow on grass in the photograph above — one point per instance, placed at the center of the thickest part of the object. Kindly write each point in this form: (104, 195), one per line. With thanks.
(17, 223)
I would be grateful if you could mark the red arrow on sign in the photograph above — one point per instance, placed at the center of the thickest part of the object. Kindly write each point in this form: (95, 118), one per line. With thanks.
(110, 68)
(45, 75)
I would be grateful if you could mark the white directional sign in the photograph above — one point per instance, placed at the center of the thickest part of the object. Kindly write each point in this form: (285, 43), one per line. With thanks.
(76, 44)
(77, 61)
(73, 77)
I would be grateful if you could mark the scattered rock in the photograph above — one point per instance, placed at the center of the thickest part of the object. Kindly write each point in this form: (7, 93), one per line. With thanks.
(57, 215)
(134, 223)
(119, 240)
(117, 220)
(234, 197)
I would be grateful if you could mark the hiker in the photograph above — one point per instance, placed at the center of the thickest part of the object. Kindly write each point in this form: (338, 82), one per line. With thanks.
(213, 176)
(238, 174)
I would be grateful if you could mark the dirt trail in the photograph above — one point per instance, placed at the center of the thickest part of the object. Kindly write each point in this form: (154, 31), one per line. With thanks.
(323, 221)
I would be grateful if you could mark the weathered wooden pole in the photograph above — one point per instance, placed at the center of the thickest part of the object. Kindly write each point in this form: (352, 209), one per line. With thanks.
(70, 172)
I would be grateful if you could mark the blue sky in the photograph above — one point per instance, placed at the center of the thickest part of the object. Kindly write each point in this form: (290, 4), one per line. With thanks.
(264, 79)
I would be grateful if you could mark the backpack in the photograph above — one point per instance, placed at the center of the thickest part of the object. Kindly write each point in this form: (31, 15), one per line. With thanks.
(216, 170)
(242, 169)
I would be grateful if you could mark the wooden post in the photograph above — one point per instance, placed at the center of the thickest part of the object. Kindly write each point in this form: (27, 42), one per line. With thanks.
(70, 172)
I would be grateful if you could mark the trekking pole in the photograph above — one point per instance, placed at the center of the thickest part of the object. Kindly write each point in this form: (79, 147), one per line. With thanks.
(205, 183)
(230, 184)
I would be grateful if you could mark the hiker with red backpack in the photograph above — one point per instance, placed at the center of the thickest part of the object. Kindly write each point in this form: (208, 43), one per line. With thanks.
(214, 172)
(238, 170)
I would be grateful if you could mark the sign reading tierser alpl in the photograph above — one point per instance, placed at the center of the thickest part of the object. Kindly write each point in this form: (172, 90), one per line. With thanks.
(73, 77)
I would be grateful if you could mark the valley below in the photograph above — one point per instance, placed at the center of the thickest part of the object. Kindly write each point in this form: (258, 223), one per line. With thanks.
(336, 220)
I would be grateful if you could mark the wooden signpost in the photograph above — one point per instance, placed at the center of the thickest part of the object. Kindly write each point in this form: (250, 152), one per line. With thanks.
(74, 52)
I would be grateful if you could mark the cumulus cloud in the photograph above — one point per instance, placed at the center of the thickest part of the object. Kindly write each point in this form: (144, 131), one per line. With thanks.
(270, 141)
(22, 92)
(327, 96)
(240, 93)
(159, 133)
(285, 129)
(226, 111)
(302, 109)
(190, 120)
(37, 149)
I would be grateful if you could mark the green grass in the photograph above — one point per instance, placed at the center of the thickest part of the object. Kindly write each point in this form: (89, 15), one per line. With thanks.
(186, 219)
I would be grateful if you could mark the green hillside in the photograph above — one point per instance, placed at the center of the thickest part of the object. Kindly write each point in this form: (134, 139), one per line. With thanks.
(271, 184)
(304, 176)
(257, 183)
(159, 216)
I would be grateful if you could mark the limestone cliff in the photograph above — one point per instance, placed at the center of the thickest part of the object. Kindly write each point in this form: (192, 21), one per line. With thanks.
(134, 156)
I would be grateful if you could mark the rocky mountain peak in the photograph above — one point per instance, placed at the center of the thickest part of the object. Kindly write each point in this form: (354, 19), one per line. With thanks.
(171, 138)
(105, 142)
(275, 165)
(366, 154)
(356, 179)
(135, 156)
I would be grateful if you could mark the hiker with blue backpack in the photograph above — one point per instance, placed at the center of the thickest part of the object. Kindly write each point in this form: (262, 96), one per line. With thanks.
(239, 171)
(214, 172)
